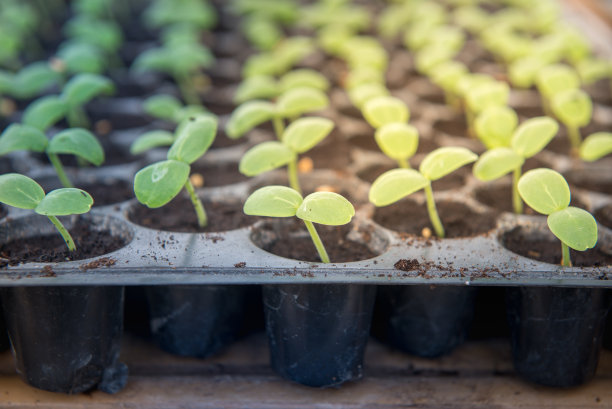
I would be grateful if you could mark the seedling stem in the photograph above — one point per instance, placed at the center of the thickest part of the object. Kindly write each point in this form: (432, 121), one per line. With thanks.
(57, 165)
(565, 260)
(317, 241)
(403, 163)
(294, 181)
(517, 202)
(197, 204)
(62, 230)
(575, 137)
(433, 212)
(187, 90)
(279, 127)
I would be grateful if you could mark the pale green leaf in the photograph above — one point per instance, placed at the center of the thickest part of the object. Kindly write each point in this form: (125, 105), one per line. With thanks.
(394, 185)
(495, 126)
(18, 137)
(447, 74)
(247, 116)
(304, 77)
(544, 190)
(496, 163)
(193, 138)
(361, 94)
(256, 87)
(555, 78)
(523, 72)
(488, 95)
(443, 161)
(65, 201)
(298, 101)
(84, 87)
(264, 157)
(162, 106)
(595, 146)
(385, 110)
(157, 184)
(533, 135)
(304, 133)
(575, 227)
(44, 112)
(150, 140)
(273, 201)
(79, 142)
(20, 191)
(326, 208)
(573, 107)
(397, 140)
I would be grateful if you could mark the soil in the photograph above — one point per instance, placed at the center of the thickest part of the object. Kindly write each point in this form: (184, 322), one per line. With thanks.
(221, 174)
(584, 180)
(334, 152)
(52, 248)
(3, 211)
(604, 215)
(561, 143)
(456, 127)
(407, 216)
(179, 216)
(223, 141)
(104, 192)
(338, 247)
(549, 251)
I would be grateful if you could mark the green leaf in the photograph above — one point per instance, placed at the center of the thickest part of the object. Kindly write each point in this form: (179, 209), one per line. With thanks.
(45, 112)
(497, 162)
(256, 87)
(304, 133)
(363, 75)
(575, 227)
(326, 208)
(523, 72)
(443, 161)
(573, 107)
(545, 190)
(162, 106)
(555, 78)
(150, 140)
(160, 182)
(79, 142)
(361, 94)
(247, 116)
(468, 82)
(447, 74)
(495, 126)
(189, 111)
(298, 101)
(596, 146)
(385, 110)
(80, 57)
(84, 87)
(533, 135)
(397, 140)
(394, 185)
(494, 94)
(63, 202)
(264, 157)
(20, 191)
(18, 137)
(33, 79)
(428, 58)
(304, 77)
(273, 201)
(193, 138)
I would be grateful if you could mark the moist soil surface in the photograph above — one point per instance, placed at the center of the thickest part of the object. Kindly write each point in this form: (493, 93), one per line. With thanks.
(586, 181)
(52, 248)
(407, 216)
(334, 152)
(338, 247)
(604, 215)
(221, 174)
(549, 251)
(3, 211)
(179, 216)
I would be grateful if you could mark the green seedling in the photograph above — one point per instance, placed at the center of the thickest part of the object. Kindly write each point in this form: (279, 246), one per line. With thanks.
(592, 70)
(320, 207)
(75, 58)
(20, 191)
(430, 57)
(523, 71)
(484, 96)
(505, 44)
(299, 137)
(262, 32)
(365, 51)
(396, 184)
(547, 192)
(363, 93)
(325, 14)
(362, 76)
(446, 75)
(495, 125)
(30, 81)
(281, 59)
(79, 142)
(472, 18)
(101, 33)
(168, 108)
(553, 79)
(526, 141)
(267, 87)
(159, 183)
(399, 141)
(596, 146)
(285, 12)
(385, 110)
(79, 91)
(164, 13)
(289, 105)
(574, 109)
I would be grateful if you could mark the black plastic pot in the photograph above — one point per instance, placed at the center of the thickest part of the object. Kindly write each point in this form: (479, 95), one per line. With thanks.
(66, 339)
(426, 321)
(556, 333)
(4, 341)
(196, 320)
(318, 332)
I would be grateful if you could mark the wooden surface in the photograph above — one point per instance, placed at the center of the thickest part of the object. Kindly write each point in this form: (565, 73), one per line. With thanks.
(477, 375)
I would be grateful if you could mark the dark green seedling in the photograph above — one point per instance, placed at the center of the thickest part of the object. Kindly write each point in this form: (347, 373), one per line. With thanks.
(553, 79)
(20, 191)
(76, 57)
(299, 137)
(164, 13)
(547, 192)
(526, 141)
(385, 110)
(79, 91)
(320, 207)
(290, 105)
(79, 142)
(396, 184)
(30, 81)
(596, 146)
(574, 109)
(159, 183)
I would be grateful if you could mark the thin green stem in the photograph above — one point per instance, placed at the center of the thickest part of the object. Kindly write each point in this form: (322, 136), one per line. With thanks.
(197, 204)
(187, 89)
(317, 241)
(546, 106)
(279, 127)
(64, 232)
(574, 136)
(469, 118)
(433, 213)
(403, 163)
(294, 181)
(59, 169)
(517, 202)
(565, 259)
(77, 118)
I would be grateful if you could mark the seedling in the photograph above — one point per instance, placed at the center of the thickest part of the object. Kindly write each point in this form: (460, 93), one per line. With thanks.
(396, 184)
(30, 81)
(398, 141)
(553, 79)
(76, 57)
(262, 32)
(320, 207)
(574, 108)
(79, 91)
(596, 146)
(526, 141)
(523, 71)
(20, 191)
(446, 75)
(101, 33)
(484, 96)
(299, 137)
(547, 192)
(495, 126)
(385, 110)
(267, 87)
(281, 59)
(159, 183)
(164, 13)
(168, 108)
(363, 93)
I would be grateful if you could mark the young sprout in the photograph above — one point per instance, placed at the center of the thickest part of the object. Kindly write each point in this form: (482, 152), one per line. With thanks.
(363, 93)
(76, 57)
(299, 137)
(596, 146)
(267, 87)
(168, 108)
(399, 141)
(79, 91)
(79, 142)
(553, 79)
(523, 71)
(547, 192)
(385, 110)
(526, 141)
(164, 13)
(320, 207)
(483, 96)
(157, 184)
(574, 108)
(277, 62)
(495, 126)
(30, 81)
(20, 191)
(261, 31)
(396, 184)
(104, 34)
(446, 75)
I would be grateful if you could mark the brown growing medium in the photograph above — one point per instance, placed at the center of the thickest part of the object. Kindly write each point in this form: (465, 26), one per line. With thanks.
(52, 248)
(3, 211)
(331, 153)
(604, 215)
(221, 174)
(179, 216)
(407, 216)
(549, 251)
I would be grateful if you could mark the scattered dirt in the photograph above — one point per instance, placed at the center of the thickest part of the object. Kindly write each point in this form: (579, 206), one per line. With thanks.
(242, 264)
(101, 262)
(589, 180)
